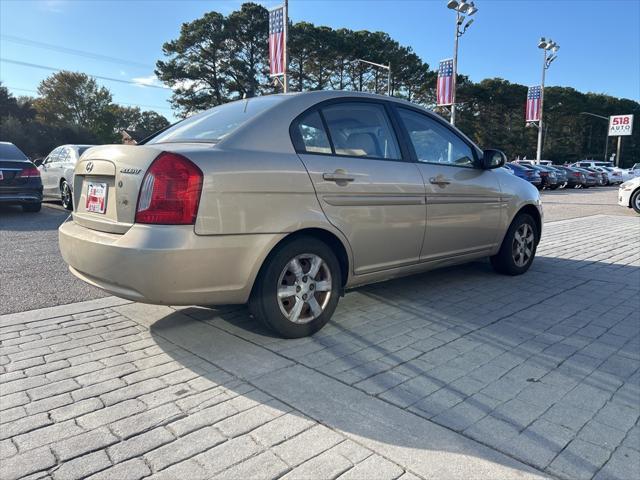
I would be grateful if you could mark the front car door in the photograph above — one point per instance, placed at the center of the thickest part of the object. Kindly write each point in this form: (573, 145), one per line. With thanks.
(463, 200)
(366, 186)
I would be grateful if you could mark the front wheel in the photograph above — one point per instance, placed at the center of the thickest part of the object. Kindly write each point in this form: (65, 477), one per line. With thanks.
(65, 195)
(635, 201)
(298, 288)
(518, 248)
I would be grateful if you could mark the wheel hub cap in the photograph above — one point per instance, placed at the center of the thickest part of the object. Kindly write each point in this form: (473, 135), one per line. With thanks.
(304, 288)
(523, 244)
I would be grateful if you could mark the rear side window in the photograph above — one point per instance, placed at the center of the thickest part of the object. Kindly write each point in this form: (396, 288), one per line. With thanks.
(312, 137)
(8, 151)
(360, 129)
(215, 124)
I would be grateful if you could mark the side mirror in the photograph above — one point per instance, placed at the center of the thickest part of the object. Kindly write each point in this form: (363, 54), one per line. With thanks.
(38, 161)
(493, 159)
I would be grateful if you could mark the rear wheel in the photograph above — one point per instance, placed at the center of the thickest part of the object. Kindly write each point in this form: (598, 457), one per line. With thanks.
(65, 195)
(298, 288)
(635, 201)
(32, 207)
(518, 248)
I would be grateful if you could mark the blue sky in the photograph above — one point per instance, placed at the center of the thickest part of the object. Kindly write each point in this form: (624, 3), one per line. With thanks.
(599, 39)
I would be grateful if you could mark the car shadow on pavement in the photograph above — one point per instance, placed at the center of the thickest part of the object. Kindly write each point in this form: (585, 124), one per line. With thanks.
(524, 365)
(13, 218)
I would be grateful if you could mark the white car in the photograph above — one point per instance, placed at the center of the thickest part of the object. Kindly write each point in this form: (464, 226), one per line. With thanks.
(56, 171)
(629, 194)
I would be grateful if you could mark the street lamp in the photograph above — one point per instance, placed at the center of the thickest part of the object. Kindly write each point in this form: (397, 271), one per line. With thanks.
(606, 141)
(462, 8)
(379, 65)
(547, 45)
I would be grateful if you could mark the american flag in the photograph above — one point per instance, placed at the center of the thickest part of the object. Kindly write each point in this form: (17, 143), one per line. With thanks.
(276, 41)
(533, 104)
(444, 90)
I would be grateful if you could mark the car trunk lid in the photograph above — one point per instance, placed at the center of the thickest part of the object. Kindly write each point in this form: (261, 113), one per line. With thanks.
(9, 171)
(106, 186)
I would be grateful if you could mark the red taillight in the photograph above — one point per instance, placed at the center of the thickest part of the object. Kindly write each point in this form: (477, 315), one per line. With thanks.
(576, 174)
(29, 172)
(170, 191)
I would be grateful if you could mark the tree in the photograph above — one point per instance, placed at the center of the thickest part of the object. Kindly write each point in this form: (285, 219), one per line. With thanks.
(195, 69)
(74, 99)
(132, 118)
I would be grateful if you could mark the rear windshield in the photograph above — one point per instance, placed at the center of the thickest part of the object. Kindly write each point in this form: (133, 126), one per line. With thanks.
(8, 151)
(215, 124)
(81, 150)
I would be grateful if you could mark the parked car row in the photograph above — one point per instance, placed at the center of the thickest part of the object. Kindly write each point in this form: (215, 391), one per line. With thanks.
(545, 175)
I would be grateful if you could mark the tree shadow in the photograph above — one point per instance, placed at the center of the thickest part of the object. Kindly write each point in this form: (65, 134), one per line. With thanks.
(502, 360)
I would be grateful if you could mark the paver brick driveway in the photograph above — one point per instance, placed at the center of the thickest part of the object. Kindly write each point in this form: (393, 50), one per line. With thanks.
(457, 373)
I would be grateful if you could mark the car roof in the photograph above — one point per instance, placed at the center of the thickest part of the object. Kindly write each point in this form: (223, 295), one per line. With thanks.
(265, 131)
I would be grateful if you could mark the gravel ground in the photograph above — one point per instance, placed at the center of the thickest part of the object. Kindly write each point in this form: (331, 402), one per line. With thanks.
(33, 274)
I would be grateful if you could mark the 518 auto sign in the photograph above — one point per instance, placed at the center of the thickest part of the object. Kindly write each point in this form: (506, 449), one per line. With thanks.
(620, 125)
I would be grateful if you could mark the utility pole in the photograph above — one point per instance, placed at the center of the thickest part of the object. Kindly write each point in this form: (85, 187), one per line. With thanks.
(379, 65)
(606, 140)
(285, 81)
(455, 69)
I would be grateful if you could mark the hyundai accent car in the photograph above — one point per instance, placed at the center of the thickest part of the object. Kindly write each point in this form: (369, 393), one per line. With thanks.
(286, 201)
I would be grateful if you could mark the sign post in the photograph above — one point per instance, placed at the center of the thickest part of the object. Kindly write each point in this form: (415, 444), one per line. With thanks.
(620, 126)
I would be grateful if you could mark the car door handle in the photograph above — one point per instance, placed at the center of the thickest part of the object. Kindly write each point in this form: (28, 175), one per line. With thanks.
(338, 177)
(439, 181)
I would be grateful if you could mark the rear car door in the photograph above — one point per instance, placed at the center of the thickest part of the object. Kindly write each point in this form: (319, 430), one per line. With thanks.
(463, 200)
(366, 186)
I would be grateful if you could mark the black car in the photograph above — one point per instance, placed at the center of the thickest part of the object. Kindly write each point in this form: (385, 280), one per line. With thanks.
(560, 174)
(548, 177)
(20, 182)
(591, 178)
(575, 179)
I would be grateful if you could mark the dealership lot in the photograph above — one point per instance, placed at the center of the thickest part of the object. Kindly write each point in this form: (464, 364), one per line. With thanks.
(458, 373)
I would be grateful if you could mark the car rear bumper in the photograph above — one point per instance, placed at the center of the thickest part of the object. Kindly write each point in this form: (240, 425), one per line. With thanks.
(168, 265)
(20, 195)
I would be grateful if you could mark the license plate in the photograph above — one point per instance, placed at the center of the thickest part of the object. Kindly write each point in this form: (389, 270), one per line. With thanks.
(96, 197)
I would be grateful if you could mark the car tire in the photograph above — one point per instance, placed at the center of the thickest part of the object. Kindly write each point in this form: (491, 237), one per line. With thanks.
(65, 195)
(287, 270)
(31, 207)
(522, 237)
(635, 201)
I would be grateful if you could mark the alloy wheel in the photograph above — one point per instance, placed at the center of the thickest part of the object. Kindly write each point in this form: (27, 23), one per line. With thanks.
(66, 195)
(522, 247)
(304, 288)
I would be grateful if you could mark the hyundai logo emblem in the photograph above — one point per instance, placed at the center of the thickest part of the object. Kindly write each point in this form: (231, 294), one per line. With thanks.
(89, 166)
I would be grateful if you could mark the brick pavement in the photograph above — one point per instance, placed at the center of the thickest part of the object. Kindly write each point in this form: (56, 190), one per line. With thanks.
(458, 373)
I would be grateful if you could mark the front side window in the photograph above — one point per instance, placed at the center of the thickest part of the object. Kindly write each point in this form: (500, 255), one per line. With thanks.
(312, 137)
(360, 129)
(435, 143)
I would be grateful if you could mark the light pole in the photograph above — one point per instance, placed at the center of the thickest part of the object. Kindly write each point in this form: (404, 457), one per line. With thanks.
(606, 140)
(379, 65)
(462, 8)
(546, 46)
